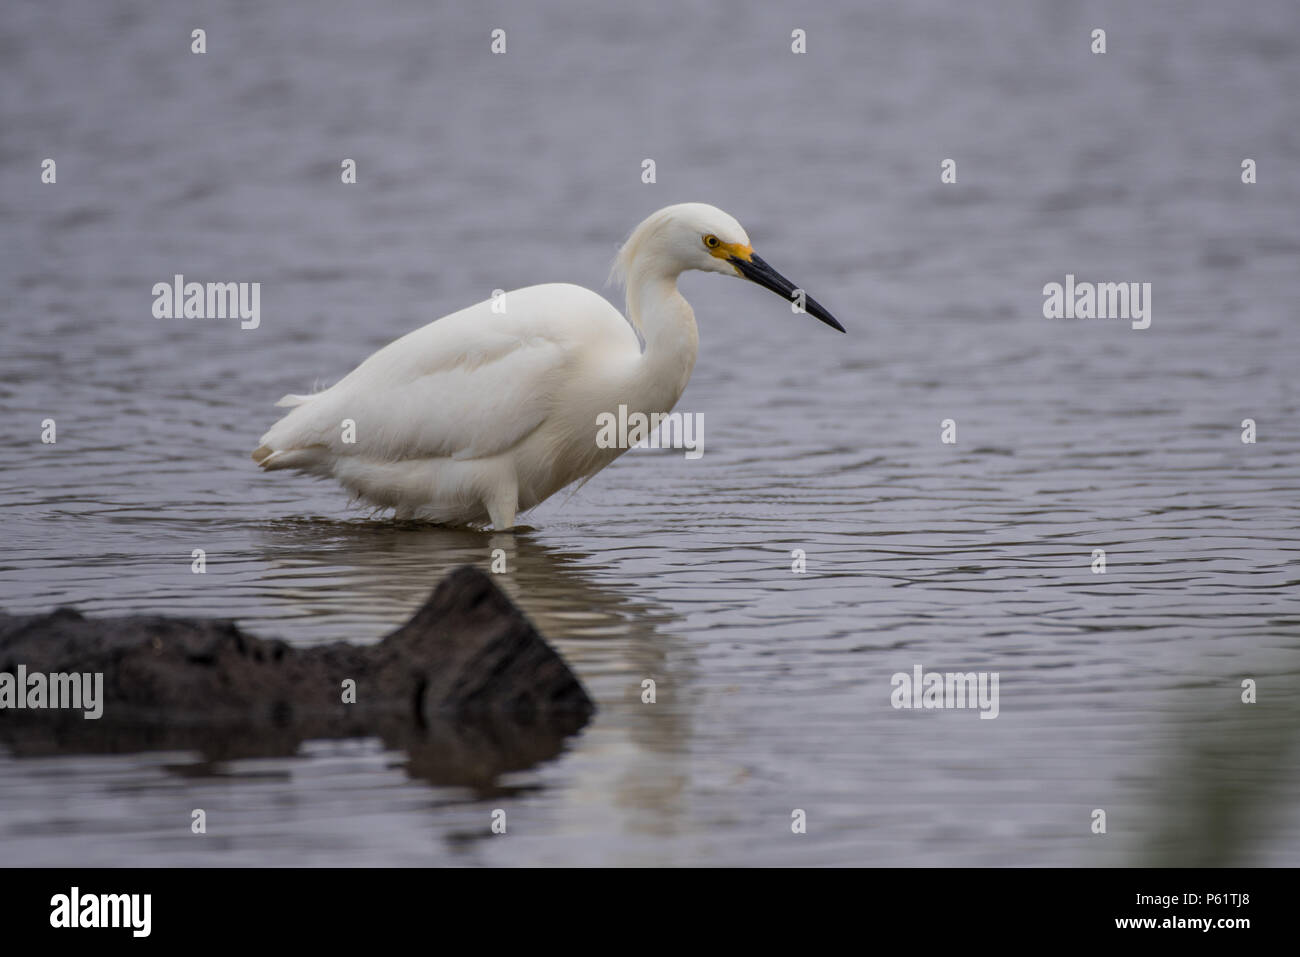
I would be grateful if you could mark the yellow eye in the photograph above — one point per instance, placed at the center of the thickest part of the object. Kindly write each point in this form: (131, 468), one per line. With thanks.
(711, 241)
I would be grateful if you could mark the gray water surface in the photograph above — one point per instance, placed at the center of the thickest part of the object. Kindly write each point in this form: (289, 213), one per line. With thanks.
(1119, 691)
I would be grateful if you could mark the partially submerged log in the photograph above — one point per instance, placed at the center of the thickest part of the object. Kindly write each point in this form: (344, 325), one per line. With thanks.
(467, 686)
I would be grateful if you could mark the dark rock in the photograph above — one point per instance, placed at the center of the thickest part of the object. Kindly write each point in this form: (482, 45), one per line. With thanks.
(467, 687)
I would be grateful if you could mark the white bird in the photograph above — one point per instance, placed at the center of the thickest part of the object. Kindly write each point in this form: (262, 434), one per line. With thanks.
(483, 414)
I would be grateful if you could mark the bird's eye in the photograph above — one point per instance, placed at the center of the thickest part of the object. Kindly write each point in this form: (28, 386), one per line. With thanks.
(712, 241)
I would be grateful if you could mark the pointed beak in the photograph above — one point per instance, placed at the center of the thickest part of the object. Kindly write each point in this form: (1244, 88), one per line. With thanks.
(756, 270)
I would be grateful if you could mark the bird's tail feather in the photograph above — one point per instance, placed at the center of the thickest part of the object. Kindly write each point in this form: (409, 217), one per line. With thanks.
(280, 448)
(307, 458)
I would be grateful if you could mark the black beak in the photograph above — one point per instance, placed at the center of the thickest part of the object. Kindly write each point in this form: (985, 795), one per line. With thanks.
(760, 272)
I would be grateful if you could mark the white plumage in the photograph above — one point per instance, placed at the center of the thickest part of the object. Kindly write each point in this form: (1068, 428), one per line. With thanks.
(483, 414)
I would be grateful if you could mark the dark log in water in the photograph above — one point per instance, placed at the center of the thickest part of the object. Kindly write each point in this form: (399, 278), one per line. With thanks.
(467, 686)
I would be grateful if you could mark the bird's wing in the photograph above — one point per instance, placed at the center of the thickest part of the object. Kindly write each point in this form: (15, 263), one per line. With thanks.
(469, 385)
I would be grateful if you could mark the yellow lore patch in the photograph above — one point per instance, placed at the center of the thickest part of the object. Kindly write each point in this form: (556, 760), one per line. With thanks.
(732, 251)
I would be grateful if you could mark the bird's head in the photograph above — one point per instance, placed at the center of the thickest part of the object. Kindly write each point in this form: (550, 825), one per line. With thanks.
(700, 236)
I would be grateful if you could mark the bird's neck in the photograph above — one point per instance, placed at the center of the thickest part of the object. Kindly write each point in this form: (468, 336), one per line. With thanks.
(667, 324)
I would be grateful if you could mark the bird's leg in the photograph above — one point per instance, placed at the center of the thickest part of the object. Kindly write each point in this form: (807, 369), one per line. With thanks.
(503, 504)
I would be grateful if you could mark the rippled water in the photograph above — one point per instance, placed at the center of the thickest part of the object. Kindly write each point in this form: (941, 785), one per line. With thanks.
(1118, 691)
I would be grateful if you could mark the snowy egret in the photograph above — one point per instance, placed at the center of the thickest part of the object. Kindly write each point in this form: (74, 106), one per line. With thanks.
(486, 412)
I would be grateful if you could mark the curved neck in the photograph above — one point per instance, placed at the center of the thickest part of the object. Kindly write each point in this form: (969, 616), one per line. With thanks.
(666, 322)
